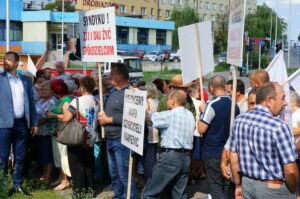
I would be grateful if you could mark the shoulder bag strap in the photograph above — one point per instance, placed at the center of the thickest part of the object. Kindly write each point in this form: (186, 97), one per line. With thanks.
(77, 107)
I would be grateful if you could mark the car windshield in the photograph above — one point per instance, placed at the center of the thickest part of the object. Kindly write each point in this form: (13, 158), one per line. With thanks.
(134, 65)
(152, 53)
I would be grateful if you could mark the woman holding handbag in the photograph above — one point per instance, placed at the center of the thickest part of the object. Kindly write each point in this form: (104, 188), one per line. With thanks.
(81, 158)
(60, 89)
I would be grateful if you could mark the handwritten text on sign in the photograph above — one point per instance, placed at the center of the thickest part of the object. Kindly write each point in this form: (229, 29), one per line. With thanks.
(236, 32)
(98, 35)
(134, 120)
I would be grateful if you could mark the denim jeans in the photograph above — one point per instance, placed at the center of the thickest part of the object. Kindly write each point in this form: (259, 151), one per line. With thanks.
(99, 172)
(118, 162)
(219, 187)
(171, 170)
(253, 189)
(16, 136)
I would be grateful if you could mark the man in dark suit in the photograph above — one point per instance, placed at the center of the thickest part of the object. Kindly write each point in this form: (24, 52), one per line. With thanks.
(17, 116)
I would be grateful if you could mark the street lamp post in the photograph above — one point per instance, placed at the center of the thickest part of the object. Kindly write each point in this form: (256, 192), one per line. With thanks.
(62, 30)
(7, 25)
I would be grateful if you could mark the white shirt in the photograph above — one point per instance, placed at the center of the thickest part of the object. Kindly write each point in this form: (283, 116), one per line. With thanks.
(17, 91)
(296, 118)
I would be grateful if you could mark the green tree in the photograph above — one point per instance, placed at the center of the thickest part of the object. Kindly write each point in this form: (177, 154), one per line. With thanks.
(57, 6)
(182, 17)
(221, 32)
(258, 24)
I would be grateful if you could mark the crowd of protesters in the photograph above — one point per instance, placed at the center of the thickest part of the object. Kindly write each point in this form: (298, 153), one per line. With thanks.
(186, 137)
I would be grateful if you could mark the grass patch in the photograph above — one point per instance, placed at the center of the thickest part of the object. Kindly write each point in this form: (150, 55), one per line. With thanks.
(221, 67)
(45, 194)
(162, 74)
(291, 70)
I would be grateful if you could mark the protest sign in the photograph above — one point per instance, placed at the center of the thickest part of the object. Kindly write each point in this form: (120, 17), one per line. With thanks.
(196, 48)
(134, 120)
(98, 35)
(1, 61)
(295, 81)
(278, 73)
(30, 66)
(236, 32)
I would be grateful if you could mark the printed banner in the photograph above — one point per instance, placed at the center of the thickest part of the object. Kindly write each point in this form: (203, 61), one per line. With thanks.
(134, 120)
(98, 35)
(236, 32)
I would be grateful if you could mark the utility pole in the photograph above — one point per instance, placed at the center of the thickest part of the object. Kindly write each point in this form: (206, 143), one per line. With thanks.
(62, 30)
(7, 26)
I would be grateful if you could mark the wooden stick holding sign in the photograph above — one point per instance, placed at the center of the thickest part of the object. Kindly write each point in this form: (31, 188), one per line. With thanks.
(129, 175)
(291, 77)
(233, 97)
(133, 124)
(101, 101)
(199, 65)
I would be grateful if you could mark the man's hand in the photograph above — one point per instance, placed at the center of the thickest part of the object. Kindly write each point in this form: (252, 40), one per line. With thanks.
(225, 164)
(49, 114)
(34, 130)
(103, 119)
(238, 192)
(202, 106)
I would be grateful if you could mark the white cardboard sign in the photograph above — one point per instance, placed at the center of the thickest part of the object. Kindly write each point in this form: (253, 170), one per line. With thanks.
(134, 120)
(189, 53)
(236, 32)
(98, 35)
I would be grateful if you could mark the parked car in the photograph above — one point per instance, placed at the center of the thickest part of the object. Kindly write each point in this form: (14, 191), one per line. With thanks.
(153, 56)
(285, 48)
(222, 57)
(175, 56)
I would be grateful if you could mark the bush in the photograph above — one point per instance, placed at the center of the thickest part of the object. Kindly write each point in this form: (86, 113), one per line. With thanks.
(222, 67)
(265, 60)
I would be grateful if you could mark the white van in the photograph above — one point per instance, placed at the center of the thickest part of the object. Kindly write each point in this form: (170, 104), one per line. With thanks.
(135, 67)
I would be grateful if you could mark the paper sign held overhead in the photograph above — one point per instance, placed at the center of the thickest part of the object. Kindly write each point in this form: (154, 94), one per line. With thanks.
(134, 120)
(236, 32)
(98, 35)
(192, 51)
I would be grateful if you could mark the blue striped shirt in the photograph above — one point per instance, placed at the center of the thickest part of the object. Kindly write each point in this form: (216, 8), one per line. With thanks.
(264, 144)
(177, 128)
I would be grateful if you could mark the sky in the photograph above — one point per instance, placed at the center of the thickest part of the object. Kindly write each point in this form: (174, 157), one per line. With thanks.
(282, 9)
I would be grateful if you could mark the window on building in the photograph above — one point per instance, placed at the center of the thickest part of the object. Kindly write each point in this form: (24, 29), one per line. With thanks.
(159, 12)
(205, 17)
(206, 5)
(170, 1)
(122, 35)
(143, 11)
(249, 9)
(152, 11)
(213, 6)
(132, 10)
(15, 32)
(161, 37)
(200, 4)
(122, 8)
(168, 14)
(142, 36)
(248, 1)
(178, 2)
(221, 7)
(213, 18)
(187, 2)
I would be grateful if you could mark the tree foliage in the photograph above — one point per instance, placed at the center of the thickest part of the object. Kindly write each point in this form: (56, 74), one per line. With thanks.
(57, 6)
(221, 32)
(258, 24)
(182, 17)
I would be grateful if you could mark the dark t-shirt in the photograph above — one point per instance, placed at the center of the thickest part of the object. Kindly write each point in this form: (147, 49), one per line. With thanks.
(217, 116)
(113, 107)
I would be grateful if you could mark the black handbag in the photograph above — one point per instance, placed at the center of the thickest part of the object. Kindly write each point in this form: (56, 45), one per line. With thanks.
(72, 133)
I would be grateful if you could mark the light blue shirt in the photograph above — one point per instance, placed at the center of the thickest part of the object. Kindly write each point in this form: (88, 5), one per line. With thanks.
(63, 76)
(17, 91)
(177, 128)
